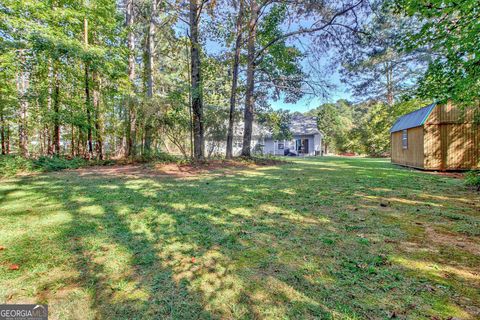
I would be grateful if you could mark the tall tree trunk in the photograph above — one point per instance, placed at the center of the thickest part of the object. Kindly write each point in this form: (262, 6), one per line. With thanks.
(48, 148)
(196, 83)
(149, 74)
(87, 94)
(233, 93)
(250, 91)
(22, 85)
(49, 141)
(151, 49)
(56, 121)
(7, 139)
(80, 145)
(389, 76)
(98, 116)
(2, 132)
(73, 141)
(132, 115)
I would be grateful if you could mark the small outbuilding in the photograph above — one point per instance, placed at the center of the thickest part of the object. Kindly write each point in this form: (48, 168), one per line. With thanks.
(437, 137)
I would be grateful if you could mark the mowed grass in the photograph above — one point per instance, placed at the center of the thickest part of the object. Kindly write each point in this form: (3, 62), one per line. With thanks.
(320, 238)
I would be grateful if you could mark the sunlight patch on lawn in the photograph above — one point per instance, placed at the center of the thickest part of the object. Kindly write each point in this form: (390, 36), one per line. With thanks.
(397, 200)
(93, 210)
(81, 199)
(435, 269)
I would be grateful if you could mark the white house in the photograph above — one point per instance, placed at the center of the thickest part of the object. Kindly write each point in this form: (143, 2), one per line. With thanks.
(306, 140)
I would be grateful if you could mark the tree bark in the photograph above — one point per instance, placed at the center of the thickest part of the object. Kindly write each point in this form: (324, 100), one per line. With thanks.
(196, 83)
(7, 139)
(73, 141)
(2, 133)
(132, 115)
(98, 117)
(87, 95)
(22, 84)
(49, 141)
(151, 49)
(150, 75)
(389, 76)
(56, 119)
(249, 94)
(233, 93)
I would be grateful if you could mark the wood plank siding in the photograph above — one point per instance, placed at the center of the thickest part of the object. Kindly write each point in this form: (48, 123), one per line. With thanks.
(452, 139)
(413, 155)
(448, 139)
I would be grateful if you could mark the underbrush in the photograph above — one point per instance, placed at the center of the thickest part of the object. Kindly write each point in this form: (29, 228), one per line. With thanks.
(472, 179)
(12, 164)
(157, 157)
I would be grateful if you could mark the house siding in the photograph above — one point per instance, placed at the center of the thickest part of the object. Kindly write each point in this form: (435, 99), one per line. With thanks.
(452, 140)
(448, 140)
(314, 144)
(413, 154)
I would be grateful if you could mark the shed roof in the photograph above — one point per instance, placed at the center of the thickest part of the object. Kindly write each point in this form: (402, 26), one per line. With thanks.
(413, 119)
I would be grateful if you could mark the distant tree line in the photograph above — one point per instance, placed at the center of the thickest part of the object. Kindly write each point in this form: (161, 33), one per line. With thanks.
(107, 78)
(132, 78)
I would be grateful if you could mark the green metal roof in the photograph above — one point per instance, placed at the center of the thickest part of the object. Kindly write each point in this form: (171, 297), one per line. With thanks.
(413, 119)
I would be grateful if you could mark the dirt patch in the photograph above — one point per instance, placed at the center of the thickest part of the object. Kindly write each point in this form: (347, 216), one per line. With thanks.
(454, 175)
(177, 170)
(452, 240)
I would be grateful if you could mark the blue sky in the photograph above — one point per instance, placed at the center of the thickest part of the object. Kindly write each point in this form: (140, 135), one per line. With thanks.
(309, 102)
(331, 74)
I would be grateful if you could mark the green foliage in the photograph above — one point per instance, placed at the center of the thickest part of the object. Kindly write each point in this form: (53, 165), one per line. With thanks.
(472, 178)
(362, 128)
(279, 68)
(375, 67)
(278, 122)
(374, 130)
(56, 163)
(335, 120)
(11, 165)
(450, 29)
(371, 134)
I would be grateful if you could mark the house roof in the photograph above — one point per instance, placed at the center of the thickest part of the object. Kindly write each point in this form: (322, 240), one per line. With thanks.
(413, 119)
(257, 130)
(299, 125)
(304, 125)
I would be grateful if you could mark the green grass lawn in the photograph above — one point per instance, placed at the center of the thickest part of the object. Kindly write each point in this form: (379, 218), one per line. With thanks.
(329, 238)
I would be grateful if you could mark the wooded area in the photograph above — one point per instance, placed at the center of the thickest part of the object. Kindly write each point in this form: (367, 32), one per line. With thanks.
(106, 79)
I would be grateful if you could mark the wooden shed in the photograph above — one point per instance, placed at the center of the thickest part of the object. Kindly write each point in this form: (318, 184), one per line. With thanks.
(437, 137)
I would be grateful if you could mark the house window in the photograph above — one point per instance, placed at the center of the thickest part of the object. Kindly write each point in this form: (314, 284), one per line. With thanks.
(237, 144)
(281, 146)
(405, 139)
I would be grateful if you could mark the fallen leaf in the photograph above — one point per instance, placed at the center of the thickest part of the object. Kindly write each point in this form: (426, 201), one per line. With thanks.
(14, 267)
(2, 248)
(193, 259)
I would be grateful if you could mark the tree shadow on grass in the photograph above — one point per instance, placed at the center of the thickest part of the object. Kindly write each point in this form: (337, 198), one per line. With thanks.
(232, 247)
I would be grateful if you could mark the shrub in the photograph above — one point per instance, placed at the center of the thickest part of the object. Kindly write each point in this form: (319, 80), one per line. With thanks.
(58, 163)
(472, 178)
(11, 165)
